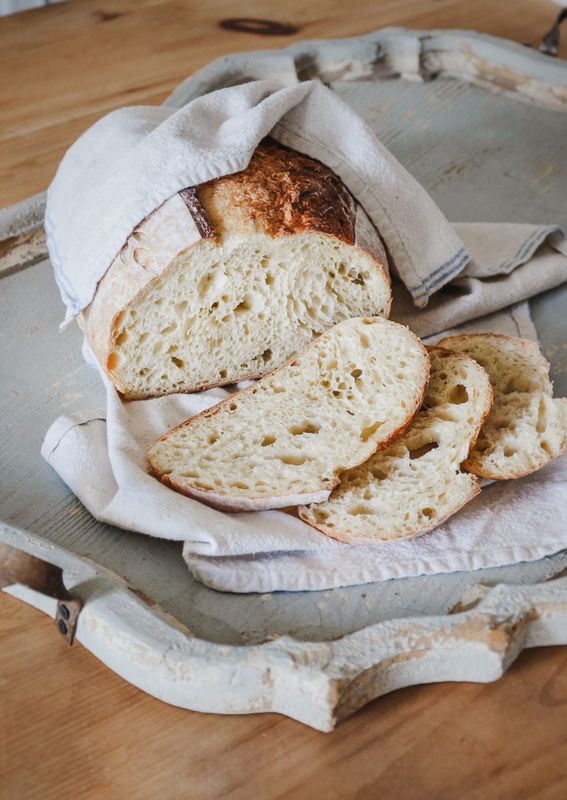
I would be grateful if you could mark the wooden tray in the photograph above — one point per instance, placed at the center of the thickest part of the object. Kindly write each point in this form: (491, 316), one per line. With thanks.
(481, 124)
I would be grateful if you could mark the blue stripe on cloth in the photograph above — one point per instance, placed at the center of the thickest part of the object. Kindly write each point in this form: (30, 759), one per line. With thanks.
(533, 240)
(443, 266)
(442, 278)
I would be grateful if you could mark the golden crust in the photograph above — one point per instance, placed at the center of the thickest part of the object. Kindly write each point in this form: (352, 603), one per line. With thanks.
(280, 192)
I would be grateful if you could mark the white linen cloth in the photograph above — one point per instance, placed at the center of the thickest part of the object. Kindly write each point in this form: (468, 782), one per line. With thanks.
(101, 457)
(134, 159)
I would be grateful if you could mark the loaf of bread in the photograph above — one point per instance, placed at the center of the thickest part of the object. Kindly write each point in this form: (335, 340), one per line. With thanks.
(414, 484)
(228, 279)
(286, 440)
(526, 427)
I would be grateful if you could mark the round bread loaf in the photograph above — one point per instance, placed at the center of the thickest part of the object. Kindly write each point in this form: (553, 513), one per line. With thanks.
(226, 280)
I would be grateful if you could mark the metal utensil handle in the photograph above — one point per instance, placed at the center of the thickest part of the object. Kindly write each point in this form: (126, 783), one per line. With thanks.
(550, 42)
(41, 576)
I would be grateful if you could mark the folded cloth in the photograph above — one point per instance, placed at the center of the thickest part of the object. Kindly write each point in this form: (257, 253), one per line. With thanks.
(101, 457)
(132, 160)
(444, 274)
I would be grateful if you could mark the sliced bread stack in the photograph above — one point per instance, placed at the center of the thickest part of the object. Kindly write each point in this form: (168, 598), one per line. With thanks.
(414, 484)
(527, 427)
(286, 440)
(352, 431)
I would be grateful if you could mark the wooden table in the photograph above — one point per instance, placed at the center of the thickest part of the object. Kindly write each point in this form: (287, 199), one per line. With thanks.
(69, 728)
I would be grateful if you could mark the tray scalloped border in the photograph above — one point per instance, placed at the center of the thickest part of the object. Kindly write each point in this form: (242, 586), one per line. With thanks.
(317, 683)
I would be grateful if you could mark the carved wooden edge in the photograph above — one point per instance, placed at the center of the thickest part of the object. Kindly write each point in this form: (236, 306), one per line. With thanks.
(316, 683)
(387, 53)
(22, 237)
(16, 566)
(489, 61)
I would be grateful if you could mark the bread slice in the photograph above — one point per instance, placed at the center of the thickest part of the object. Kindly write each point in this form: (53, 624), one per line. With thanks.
(285, 440)
(527, 427)
(227, 280)
(414, 484)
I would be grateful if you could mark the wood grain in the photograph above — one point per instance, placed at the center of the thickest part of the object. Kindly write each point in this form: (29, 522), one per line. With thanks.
(73, 729)
(69, 727)
(71, 63)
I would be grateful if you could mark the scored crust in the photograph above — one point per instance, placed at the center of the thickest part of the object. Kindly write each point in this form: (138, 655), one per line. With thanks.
(280, 193)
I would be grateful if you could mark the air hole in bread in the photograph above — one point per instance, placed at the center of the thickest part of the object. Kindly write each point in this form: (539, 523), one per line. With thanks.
(458, 394)
(268, 440)
(429, 513)
(178, 362)
(305, 427)
(232, 406)
(112, 361)
(204, 283)
(278, 389)
(121, 338)
(180, 307)
(364, 341)
(548, 448)
(294, 461)
(512, 385)
(222, 374)
(143, 337)
(370, 430)
(240, 485)
(269, 279)
(356, 373)
(379, 474)
(214, 437)
(360, 509)
(418, 452)
(509, 452)
(541, 416)
(168, 329)
(243, 306)
(266, 355)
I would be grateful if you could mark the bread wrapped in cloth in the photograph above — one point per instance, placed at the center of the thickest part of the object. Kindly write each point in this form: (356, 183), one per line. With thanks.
(227, 279)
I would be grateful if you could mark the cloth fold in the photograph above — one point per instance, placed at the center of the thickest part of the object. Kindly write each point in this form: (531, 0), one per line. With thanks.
(135, 158)
(445, 275)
